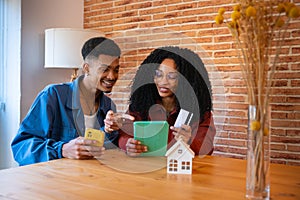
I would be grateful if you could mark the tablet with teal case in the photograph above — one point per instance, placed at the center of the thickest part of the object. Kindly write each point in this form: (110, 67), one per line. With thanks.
(153, 134)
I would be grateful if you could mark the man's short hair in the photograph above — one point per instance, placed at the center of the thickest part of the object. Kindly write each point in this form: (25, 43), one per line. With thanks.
(100, 45)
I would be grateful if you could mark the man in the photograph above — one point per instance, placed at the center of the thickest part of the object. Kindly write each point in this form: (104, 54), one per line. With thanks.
(56, 122)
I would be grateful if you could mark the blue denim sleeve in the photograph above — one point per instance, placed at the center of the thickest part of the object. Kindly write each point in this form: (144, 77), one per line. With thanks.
(32, 144)
(111, 139)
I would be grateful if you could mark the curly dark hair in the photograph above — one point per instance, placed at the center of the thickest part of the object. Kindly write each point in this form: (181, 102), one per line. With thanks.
(194, 89)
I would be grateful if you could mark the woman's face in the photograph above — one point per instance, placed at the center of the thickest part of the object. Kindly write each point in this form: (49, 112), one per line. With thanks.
(166, 78)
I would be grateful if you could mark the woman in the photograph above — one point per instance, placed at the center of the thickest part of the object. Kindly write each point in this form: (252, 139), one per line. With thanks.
(169, 79)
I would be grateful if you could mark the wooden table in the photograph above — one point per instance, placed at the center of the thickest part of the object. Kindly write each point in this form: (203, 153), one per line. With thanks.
(116, 176)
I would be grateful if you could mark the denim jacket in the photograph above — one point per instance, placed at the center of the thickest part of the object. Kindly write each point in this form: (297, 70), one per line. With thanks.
(55, 118)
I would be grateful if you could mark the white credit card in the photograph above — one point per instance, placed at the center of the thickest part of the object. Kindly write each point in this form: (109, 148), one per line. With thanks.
(184, 117)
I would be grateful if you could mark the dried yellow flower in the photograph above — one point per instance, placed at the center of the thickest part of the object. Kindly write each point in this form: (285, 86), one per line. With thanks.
(266, 131)
(255, 125)
(279, 23)
(232, 24)
(288, 6)
(221, 11)
(294, 12)
(251, 11)
(235, 15)
(219, 19)
(281, 8)
(237, 8)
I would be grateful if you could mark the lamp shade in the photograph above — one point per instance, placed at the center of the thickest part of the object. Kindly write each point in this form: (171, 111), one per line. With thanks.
(63, 46)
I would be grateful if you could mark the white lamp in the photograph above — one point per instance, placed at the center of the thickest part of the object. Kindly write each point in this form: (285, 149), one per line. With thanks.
(63, 47)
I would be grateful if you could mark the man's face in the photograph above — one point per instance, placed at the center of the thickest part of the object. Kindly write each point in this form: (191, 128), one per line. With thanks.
(104, 72)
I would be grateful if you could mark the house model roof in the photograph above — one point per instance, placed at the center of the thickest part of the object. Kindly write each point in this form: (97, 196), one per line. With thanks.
(177, 144)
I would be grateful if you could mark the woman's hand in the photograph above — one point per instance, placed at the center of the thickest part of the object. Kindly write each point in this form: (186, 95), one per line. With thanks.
(81, 148)
(185, 132)
(114, 121)
(134, 147)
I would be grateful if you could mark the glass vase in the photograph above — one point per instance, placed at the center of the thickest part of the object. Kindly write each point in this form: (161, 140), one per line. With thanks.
(258, 153)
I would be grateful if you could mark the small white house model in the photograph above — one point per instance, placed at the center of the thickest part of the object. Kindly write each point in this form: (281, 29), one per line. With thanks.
(179, 158)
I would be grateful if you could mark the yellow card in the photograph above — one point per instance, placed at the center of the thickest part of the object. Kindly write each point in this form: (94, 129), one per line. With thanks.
(94, 134)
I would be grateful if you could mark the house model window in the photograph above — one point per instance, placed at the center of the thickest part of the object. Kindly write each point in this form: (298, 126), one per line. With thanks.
(179, 158)
(173, 166)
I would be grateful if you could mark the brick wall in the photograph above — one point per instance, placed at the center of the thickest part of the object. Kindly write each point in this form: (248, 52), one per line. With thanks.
(139, 26)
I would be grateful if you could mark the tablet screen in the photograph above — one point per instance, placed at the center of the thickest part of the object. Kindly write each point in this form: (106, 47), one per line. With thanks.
(153, 134)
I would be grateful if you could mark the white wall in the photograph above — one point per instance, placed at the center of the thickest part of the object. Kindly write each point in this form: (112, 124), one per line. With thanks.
(10, 115)
(38, 15)
(26, 81)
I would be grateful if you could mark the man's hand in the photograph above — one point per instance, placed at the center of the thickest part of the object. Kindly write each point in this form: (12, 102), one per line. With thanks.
(81, 148)
(114, 121)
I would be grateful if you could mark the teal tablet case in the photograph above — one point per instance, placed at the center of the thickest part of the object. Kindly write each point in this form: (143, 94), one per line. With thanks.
(153, 134)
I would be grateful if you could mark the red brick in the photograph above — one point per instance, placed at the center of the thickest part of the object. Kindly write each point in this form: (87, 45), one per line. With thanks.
(237, 113)
(222, 134)
(292, 140)
(293, 148)
(228, 155)
(286, 155)
(152, 11)
(293, 115)
(203, 40)
(285, 123)
(278, 132)
(278, 161)
(179, 7)
(287, 75)
(160, 23)
(216, 47)
(237, 98)
(87, 3)
(295, 83)
(238, 90)
(142, 5)
(279, 115)
(235, 128)
(238, 121)
(194, 26)
(295, 66)
(163, 2)
(289, 59)
(166, 16)
(295, 34)
(295, 132)
(281, 83)
(286, 107)
(192, 22)
(277, 147)
(242, 136)
(293, 162)
(236, 143)
(278, 99)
